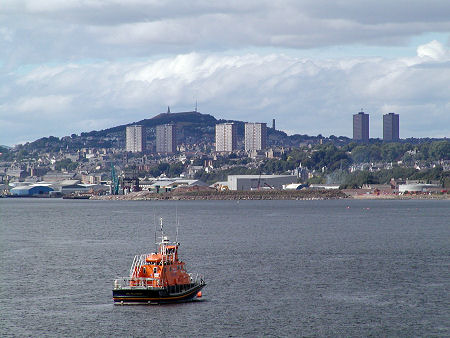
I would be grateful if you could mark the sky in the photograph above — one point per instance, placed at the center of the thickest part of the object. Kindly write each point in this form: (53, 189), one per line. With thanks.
(79, 65)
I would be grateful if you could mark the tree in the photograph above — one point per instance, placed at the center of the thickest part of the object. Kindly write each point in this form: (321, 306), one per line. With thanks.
(358, 179)
(175, 169)
(440, 150)
(66, 164)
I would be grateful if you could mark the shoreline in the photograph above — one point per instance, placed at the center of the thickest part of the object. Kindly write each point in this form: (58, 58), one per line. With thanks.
(227, 195)
(402, 197)
(260, 195)
(306, 195)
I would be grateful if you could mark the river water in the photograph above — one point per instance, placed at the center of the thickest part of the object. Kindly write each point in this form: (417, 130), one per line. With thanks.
(272, 268)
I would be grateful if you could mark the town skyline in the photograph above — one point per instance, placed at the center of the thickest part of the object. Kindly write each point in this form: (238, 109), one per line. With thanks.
(81, 66)
(351, 128)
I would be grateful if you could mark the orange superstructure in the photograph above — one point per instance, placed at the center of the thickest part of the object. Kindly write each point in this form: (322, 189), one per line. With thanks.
(162, 268)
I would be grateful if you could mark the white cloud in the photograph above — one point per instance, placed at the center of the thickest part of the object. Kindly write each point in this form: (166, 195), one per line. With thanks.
(434, 50)
(44, 105)
(304, 95)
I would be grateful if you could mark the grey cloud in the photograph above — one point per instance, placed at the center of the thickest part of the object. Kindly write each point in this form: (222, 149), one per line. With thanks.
(381, 11)
(60, 31)
(117, 12)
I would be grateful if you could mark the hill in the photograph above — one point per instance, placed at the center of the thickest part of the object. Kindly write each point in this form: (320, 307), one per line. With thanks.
(189, 124)
(192, 127)
(185, 119)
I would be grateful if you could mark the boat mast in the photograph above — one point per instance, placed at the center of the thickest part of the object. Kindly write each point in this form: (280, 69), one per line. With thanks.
(177, 223)
(162, 250)
(161, 229)
(156, 243)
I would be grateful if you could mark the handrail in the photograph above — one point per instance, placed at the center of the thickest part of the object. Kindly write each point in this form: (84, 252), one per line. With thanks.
(196, 279)
(144, 282)
(137, 282)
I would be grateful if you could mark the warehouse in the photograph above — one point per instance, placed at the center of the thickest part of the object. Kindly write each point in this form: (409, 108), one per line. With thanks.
(31, 190)
(415, 187)
(255, 182)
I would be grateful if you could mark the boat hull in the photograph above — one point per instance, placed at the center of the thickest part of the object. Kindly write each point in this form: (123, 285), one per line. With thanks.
(151, 295)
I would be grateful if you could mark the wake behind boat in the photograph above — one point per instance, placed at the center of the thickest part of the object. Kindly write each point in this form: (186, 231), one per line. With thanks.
(157, 278)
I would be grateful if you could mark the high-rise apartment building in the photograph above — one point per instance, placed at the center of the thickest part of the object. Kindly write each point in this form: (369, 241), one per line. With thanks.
(391, 127)
(361, 127)
(166, 138)
(135, 138)
(226, 137)
(255, 136)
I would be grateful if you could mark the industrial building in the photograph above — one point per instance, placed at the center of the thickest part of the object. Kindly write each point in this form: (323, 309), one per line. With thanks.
(31, 190)
(255, 136)
(416, 187)
(135, 139)
(169, 184)
(391, 127)
(255, 182)
(166, 139)
(295, 186)
(361, 127)
(226, 137)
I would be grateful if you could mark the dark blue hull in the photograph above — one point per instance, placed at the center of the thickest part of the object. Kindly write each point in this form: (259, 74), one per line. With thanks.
(171, 294)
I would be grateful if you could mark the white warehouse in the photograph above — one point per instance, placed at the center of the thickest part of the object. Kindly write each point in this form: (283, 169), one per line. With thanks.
(415, 187)
(253, 182)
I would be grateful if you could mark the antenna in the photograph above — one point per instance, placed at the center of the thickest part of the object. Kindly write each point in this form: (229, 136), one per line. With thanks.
(154, 221)
(177, 222)
(195, 105)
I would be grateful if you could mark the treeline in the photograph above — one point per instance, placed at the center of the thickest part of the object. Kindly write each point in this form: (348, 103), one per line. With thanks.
(334, 161)
(406, 152)
(328, 157)
(170, 170)
(360, 178)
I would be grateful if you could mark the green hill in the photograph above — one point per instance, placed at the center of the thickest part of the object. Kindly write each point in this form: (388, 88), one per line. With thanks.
(191, 122)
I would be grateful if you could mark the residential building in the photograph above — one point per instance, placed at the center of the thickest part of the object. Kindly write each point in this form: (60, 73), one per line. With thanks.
(391, 127)
(166, 139)
(255, 136)
(361, 127)
(135, 140)
(226, 137)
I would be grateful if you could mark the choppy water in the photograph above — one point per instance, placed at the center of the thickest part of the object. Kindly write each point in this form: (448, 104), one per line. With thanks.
(273, 268)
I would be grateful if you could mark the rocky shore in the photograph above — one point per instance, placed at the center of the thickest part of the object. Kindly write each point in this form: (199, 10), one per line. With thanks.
(230, 195)
(402, 197)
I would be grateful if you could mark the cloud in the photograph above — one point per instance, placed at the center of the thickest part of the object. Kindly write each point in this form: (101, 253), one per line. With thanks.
(434, 50)
(6, 34)
(305, 96)
(64, 31)
(44, 105)
(68, 66)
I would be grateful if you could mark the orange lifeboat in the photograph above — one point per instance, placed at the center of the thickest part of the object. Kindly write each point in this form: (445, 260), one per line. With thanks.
(158, 277)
